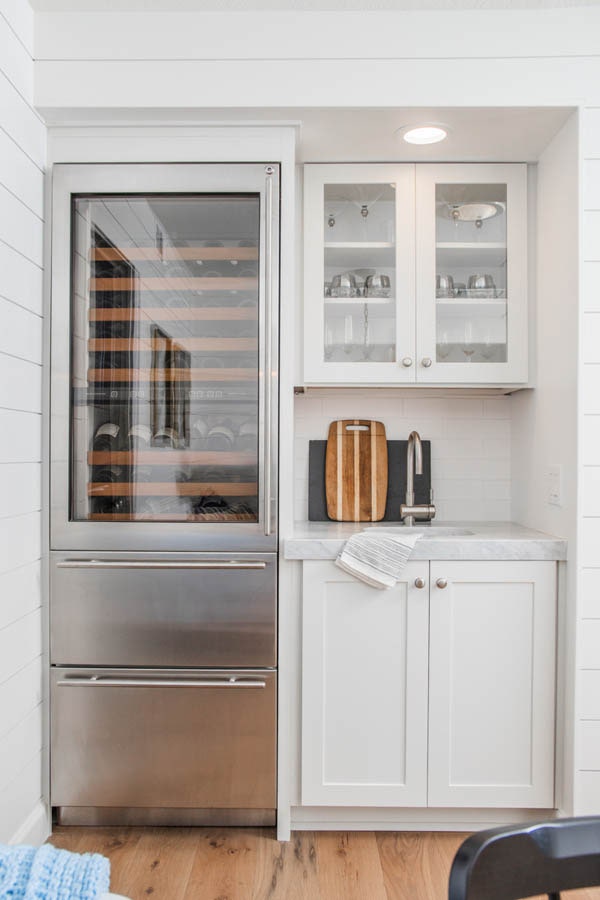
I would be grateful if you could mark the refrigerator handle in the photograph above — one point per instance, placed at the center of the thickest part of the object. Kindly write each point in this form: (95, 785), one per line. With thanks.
(103, 681)
(156, 564)
(269, 170)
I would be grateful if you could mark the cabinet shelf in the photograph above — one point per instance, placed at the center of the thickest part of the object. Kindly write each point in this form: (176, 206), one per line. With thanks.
(472, 307)
(163, 457)
(172, 489)
(120, 345)
(167, 283)
(358, 301)
(171, 314)
(153, 375)
(111, 254)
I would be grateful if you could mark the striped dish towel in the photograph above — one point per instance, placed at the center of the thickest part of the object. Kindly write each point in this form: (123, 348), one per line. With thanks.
(377, 559)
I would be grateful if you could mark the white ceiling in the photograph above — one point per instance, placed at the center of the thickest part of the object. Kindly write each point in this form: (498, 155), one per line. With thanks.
(293, 5)
(495, 134)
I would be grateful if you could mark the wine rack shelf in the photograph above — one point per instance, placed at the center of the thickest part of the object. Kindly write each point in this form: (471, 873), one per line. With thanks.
(166, 283)
(170, 489)
(114, 254)
(173, 374)
(170, 458)
(172, 314)
(117, 345)
(233, 518)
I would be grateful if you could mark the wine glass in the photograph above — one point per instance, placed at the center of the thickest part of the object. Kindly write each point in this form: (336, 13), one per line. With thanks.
(488, 349)
(443, 346)
(468, 347)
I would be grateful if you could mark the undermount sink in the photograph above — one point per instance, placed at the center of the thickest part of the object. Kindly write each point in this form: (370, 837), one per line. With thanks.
(428, 531)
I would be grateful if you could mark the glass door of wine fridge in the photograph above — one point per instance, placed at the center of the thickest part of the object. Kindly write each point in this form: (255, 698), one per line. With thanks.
(164, 357)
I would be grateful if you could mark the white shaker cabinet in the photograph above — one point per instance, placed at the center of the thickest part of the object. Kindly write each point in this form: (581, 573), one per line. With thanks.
(491, 684)
(364, 690)
(415, 274)
(439, 695)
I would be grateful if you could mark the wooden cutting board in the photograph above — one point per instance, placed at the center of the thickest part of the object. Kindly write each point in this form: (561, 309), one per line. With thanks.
(356, 471)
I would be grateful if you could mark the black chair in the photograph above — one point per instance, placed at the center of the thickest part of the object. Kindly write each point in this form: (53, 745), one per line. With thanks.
(519, 861)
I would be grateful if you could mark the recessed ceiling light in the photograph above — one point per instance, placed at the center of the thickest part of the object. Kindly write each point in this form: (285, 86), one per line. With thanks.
(423, 134)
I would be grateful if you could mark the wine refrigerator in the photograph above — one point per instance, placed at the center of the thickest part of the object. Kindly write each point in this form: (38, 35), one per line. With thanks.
(163, 493)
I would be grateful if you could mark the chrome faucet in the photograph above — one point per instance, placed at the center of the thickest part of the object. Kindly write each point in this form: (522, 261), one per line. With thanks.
(414, 466)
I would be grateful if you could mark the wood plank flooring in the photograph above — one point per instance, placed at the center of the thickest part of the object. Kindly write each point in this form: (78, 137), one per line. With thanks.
(249, 864)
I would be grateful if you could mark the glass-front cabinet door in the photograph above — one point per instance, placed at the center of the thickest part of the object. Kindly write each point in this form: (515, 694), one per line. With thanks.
(359, 274)
(471, 296)
(162, 381)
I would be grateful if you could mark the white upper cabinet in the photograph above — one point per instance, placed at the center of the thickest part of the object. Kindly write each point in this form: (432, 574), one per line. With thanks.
(359, 276)
(415, 274)
(471, 296)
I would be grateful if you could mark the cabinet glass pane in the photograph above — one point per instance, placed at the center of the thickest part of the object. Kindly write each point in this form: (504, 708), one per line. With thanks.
(471, 263)
(359, 291)
(165, 358)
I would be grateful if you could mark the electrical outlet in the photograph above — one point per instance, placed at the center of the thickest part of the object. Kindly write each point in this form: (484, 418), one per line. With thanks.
(555, 485)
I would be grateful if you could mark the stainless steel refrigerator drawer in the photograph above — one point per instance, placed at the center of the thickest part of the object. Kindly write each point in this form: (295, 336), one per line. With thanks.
(163, 610)
(123, 738)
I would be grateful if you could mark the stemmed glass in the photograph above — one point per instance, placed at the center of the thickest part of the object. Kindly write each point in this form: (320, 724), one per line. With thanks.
(443, 346)
(468, 347)
(488, 349)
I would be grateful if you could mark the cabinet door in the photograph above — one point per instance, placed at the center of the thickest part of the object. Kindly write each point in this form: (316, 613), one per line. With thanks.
(472, 274)
(491, 684)
(359, 274)
(364, 690)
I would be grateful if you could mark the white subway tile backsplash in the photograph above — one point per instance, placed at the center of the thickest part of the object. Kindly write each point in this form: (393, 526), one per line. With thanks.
(462, 448)
(496, 490)
(451, 408)
(497, 408)
(470, 444)
(460, 488)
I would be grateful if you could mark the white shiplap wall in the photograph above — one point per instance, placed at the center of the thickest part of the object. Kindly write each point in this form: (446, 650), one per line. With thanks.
(22, 159)
(587, 783)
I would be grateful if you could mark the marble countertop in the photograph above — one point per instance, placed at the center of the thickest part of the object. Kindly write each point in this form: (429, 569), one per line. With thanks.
(484, 540)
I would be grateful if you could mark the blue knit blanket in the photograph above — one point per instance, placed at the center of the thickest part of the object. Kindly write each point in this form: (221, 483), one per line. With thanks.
(45, 873)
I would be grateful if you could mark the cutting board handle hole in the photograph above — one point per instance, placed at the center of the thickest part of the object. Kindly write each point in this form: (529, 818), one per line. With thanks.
(357, 428)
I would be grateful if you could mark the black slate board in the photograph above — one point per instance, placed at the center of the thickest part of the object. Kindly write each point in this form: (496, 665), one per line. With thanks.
(396, 494)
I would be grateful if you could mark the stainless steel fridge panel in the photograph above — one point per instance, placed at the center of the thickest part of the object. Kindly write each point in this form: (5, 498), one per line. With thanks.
(147, 738)
(163, 610)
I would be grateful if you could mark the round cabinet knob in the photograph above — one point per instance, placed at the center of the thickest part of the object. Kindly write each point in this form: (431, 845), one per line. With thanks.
(419, 582)
(407, 362)
(442, 583)
(426, 362)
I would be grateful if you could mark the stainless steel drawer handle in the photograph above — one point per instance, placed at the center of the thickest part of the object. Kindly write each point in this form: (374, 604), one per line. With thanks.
(93, 681)
(156, 564)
